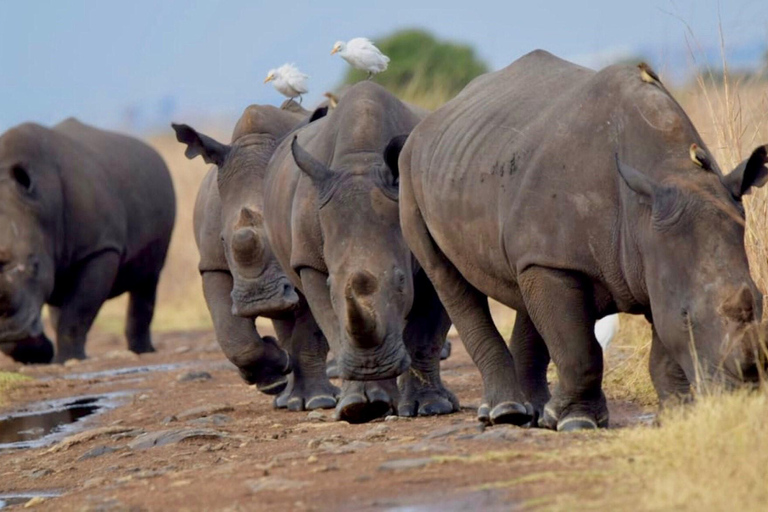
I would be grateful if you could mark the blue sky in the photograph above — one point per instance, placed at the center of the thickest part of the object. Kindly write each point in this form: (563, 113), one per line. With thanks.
(150, 60)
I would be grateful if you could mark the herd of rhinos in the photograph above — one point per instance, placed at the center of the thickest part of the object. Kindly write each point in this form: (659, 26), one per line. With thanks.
(370, 226)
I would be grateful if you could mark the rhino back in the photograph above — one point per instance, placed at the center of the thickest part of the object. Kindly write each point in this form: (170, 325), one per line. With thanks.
(524, 157)
(118, 191)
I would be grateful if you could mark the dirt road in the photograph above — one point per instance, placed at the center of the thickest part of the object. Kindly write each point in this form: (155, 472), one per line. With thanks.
(182, 432)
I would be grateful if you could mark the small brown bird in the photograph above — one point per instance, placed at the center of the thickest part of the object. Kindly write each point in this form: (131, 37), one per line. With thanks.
(699, 156)
(333, 100)
(647, 74)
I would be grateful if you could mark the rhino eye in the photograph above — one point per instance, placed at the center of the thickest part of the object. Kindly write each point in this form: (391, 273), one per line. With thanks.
(21, 177)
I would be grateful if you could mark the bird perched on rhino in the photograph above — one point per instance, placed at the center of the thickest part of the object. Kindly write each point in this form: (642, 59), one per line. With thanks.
(362, 54)
(288, 81)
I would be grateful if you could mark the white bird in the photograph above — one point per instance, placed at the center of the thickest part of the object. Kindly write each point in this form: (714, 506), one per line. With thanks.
(361, 54)
(606, 329)
(288, 80)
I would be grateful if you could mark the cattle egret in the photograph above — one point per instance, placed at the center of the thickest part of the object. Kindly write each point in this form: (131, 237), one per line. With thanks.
(361, 54)
(606, 329)
(288, 80)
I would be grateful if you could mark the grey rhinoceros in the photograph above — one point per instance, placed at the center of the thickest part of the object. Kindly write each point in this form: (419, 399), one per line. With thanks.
(85, 215)
(569, 194)
(330, 206)
(241, 278)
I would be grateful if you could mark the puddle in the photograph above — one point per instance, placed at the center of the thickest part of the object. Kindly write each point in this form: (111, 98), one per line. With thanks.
(119, 372)
(6, 500)
(42, 423)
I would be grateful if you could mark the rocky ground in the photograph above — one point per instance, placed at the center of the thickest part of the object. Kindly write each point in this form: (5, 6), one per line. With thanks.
(183, 432)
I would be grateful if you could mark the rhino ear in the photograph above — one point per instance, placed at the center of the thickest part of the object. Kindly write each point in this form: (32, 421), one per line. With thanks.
(318, 114)
(752, 172)
(638, 182)
(392, 154)
(308, 164)
(212, 151)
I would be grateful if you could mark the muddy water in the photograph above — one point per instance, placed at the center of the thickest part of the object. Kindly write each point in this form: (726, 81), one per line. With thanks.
(7, 500)
(42, 423)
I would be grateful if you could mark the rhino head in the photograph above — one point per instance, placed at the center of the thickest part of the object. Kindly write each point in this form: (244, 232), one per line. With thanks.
(370, 268)
(30, 212)
(705, 306)
(260, 287)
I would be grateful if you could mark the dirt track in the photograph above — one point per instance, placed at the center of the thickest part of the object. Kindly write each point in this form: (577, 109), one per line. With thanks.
(248, 456)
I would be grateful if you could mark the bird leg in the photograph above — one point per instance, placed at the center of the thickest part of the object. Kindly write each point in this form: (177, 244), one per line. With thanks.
(370, 75)
(301, 98)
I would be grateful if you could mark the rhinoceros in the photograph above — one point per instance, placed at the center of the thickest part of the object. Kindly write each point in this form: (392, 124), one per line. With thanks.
(85, 215)
(331, 211)
(241, 278)
(569, 194)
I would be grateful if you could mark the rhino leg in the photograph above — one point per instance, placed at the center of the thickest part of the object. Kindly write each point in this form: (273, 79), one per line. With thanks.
(87, 291)
(667, 375)
(308, 385)
(421, 390)
(141, 309)
(260, 360)
(468, 309)
(561, 309)
(531, 361)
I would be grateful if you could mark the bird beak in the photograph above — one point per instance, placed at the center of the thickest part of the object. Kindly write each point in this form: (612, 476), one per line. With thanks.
(269, 78)
(335, 49)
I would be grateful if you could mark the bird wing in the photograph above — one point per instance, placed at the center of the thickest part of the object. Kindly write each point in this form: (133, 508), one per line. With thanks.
(606, 329)
(295, 78)
(363, 54)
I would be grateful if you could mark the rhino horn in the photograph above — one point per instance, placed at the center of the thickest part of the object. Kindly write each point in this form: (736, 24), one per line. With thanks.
(361, 318)
(309, 164)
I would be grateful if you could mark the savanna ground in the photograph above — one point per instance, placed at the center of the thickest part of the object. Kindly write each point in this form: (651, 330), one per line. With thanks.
(247, 456)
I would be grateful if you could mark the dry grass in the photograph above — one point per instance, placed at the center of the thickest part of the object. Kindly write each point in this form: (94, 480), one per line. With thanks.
(710, 456)
(8, 380)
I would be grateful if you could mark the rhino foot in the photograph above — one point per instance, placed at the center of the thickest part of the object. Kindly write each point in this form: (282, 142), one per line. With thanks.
(269, 374)
(362, 402)
(307, 394)
(507, 413)
(445, 352)
(332, 369)
(564, 417)
(424, 395)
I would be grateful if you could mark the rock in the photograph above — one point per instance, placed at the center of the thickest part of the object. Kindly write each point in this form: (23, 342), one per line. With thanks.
(71, 441)
(273, 483)
(454, 429)
(169, 419)
(97, 481)
(38, 472)
(131, 433)
(500, 433)
(316, 416)
(172, 436)
(400, 464)
(96, 452)
(194, 375)
(214, 419)
(391, 417)
(377, 433)
(121, 354)
(204, 410)
(312, 459)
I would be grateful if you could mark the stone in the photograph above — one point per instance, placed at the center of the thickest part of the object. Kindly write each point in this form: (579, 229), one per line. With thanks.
(172, 436)
(401, 464)
(316, 416)
(88, 435)
(194, 376)
(96, 452)
(273, 483)
(377, 433)
(214, 420)
(204, 410)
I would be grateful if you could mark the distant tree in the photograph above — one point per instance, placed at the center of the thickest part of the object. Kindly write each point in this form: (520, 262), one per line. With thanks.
(422, 69)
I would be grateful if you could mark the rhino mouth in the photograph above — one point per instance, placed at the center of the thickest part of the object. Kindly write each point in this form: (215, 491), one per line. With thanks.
(263, 297)
(385, 361)
(20, 326)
